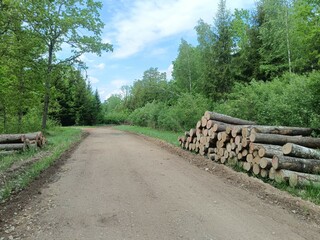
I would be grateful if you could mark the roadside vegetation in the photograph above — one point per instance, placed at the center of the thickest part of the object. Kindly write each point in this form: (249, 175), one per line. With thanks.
(261, 64)
(167, 136)
(29, 165)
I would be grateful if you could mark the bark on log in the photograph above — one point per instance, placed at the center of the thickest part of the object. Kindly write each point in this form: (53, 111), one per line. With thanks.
(304, 179)
(34, 136)
(227, 119)
(218, 127)
(12, 138)
(266, 150)
(295, 150)
(296, 164)
(277, 139)
(292, 131)
(13, 146)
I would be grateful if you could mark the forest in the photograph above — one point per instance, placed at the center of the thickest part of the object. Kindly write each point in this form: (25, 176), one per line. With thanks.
(39, 86)
(261, 64)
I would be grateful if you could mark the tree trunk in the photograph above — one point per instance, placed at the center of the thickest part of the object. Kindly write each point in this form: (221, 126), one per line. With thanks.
(295, 150)
(265, 163)
(304, 179)
(282, 175)
(296, 164)
(266, 150)
(210, 124)
(12, 138)
(264, 173)
(276, 139)
(226, 119)
(272, 173)
(256, 169)
(204, 122)
(13, 146)
(281, 130)
(33, 136)
(193, 132)
(47, 86)
(247, 166)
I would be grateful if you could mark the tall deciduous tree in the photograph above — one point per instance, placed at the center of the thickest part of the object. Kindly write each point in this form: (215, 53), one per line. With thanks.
(276, 35)
(185, 67)
(75, 23)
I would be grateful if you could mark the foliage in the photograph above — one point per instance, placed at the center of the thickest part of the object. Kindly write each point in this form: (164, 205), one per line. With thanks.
(282, 101)
(34, 81)
(60, 139)
(183, 114)
(168, 136)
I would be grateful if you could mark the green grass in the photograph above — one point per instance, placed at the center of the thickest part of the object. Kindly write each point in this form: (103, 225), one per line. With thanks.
(170, 137)
(310, 193)
(59, 140)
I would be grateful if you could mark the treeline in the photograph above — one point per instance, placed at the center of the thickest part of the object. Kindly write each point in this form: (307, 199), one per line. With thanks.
(40, 84)
(261, 65)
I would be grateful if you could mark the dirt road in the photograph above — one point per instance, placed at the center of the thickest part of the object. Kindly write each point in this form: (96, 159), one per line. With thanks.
(121, 186)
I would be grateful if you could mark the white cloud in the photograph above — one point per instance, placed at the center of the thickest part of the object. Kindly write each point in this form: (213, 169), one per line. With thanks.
(148, 21)
(118, 83)
(85, 58)
(169, 72)
(100, 66)
(93, 80)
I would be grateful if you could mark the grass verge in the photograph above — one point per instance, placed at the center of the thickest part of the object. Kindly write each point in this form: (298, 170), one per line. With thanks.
(170, 137)
(59, 140)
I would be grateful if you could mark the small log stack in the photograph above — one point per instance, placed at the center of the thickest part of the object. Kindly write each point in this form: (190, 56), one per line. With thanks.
(11, 143)
(284, 154)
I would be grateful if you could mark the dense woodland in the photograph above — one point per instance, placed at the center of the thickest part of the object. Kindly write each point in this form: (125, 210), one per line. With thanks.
(39, 85)
(261, 64)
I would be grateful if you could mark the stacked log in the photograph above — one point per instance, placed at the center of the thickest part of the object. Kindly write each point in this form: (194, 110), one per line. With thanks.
(11, 143)
(285, 154)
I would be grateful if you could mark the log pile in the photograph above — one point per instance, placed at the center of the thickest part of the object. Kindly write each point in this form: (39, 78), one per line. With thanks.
(284, 154)
(11, 143)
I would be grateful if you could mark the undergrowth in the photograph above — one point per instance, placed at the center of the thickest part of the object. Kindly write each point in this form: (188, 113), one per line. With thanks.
(59, 140)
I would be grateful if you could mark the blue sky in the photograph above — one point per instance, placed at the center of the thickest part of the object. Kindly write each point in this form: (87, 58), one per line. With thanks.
(144, 34)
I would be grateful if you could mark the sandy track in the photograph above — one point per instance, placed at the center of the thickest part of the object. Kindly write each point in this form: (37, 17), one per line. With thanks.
(121, 186)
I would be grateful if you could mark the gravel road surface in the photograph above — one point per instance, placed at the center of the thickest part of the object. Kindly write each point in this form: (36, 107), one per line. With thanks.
(121, 186)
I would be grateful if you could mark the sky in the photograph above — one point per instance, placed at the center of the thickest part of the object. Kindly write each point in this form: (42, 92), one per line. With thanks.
(145, 34)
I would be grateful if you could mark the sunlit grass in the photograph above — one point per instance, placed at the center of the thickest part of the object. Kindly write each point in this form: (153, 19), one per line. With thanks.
(170, 137)
(59, 140)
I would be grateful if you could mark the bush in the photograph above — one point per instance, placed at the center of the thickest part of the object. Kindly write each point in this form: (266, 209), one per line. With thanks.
(116, 117)
(180, 116)
(185, 113)
(148, 115)
(291, 100)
